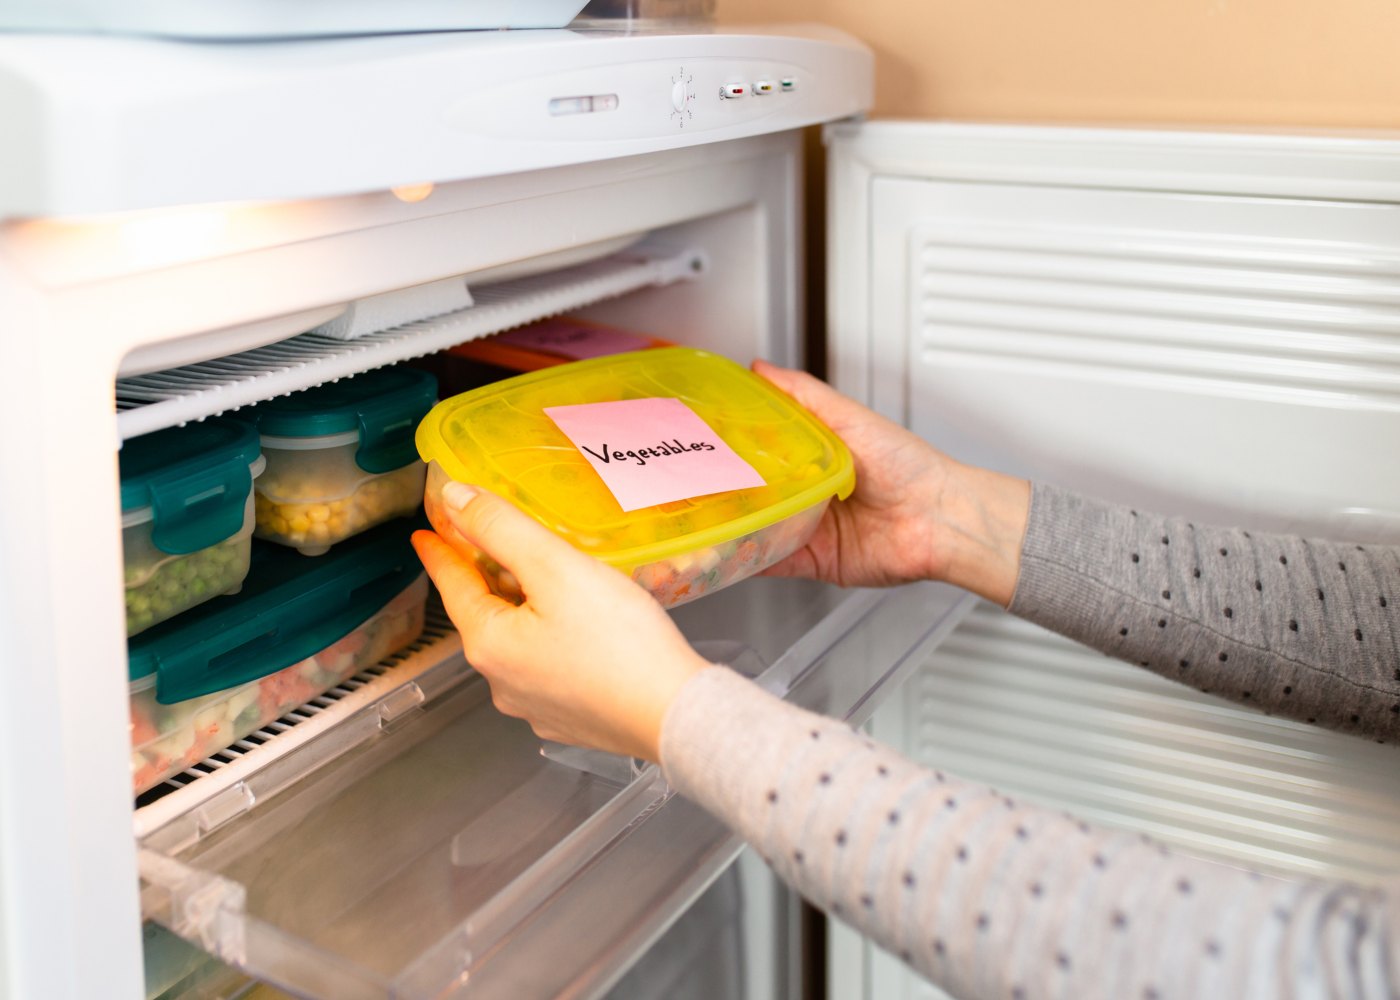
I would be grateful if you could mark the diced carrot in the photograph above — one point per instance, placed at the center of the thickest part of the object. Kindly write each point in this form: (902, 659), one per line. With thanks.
(142, 729)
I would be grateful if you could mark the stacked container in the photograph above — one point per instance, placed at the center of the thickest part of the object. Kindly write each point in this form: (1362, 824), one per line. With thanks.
(187, 517)
(554, 341)
(340, 457)
(502, 437)
(299, 627)
(544, 344)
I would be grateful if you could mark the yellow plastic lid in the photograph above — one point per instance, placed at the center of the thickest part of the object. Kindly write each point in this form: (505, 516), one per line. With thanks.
(499, 437)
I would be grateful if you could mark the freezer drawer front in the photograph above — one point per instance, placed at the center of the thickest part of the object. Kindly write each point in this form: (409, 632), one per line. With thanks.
(450, 853)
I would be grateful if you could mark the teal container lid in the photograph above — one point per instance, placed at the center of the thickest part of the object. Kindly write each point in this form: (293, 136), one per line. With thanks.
(194, 479)
(384, 406)
(290, 607)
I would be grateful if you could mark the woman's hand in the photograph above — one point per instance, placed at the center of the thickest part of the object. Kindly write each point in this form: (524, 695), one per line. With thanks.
(915, 513)
(589, 658)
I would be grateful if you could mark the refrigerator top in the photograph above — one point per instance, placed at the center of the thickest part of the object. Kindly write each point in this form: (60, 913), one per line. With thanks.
(101, 124)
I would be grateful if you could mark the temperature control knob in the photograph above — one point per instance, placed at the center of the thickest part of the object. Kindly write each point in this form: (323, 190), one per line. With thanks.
(682, 97)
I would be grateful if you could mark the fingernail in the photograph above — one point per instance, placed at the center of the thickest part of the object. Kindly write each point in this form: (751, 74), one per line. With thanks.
(457, 495)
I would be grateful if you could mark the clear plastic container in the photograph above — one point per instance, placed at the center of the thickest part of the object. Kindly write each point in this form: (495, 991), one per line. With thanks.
(340, 458)
(299, 628)
(187, 517)
(554, 341)
(499, 437)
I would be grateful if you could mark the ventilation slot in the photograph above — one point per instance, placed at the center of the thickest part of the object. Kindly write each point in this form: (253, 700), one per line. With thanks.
(1294, 318)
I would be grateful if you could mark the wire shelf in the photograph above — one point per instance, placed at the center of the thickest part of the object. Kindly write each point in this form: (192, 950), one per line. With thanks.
(176, 396)
(185, 791)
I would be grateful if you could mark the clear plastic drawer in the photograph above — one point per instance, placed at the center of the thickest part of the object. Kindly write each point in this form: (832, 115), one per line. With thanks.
(427, 846)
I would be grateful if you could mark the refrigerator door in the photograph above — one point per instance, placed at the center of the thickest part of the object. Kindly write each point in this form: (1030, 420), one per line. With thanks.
(1202, 324)
(1155, 318)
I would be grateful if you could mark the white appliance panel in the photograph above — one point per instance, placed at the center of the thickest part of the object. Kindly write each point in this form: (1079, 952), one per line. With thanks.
(245, 19)
(210, 124)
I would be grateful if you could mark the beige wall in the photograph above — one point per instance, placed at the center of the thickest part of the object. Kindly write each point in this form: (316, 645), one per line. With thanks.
(1261, 62)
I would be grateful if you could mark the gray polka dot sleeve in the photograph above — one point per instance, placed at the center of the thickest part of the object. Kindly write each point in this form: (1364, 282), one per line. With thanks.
(1303, 628)
(991, 897)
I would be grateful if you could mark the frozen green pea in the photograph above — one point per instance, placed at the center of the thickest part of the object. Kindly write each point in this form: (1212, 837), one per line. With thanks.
(183, 582)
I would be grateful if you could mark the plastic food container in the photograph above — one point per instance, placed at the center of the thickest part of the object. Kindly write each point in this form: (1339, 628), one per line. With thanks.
(554, 341)
(500, 437)
(187, 517)
(299, 627)
(529, 348)
(340, 457)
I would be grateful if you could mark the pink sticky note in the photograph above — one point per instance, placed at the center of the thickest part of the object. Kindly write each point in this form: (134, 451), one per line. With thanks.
(567, 339)
(652, 451)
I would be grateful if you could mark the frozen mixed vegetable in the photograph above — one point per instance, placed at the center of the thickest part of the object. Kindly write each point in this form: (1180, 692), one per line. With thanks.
(167, 739)
(689, 575)
(674, 579)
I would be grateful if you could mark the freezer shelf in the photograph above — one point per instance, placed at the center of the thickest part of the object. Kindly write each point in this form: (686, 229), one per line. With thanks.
(175, 396)
(448, 853)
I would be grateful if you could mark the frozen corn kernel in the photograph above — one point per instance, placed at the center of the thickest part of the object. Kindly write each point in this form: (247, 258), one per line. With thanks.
(314, 526)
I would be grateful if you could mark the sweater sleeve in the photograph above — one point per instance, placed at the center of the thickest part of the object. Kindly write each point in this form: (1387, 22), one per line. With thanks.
(1297, 627)
(990, 897)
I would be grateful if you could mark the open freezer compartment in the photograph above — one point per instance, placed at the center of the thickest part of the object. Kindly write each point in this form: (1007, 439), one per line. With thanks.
(428, 846)
(397, 836)
(170, 303)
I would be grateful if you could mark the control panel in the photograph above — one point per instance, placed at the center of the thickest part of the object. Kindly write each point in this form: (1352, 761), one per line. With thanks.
(638, 100)
(436, 106)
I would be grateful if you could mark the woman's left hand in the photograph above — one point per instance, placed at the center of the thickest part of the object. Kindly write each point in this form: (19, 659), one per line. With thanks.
(589, 658)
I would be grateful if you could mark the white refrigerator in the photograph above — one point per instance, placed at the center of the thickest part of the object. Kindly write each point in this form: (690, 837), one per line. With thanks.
(1103, 308)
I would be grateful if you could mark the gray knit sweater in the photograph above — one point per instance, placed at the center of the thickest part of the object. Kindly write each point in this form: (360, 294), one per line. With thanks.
(990, 897)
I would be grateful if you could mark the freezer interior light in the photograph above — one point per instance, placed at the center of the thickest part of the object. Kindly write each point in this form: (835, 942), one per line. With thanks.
(411, 193)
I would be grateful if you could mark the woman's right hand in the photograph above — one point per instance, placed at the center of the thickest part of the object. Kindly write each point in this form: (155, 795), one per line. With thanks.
(915, 513)
(588, 658)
